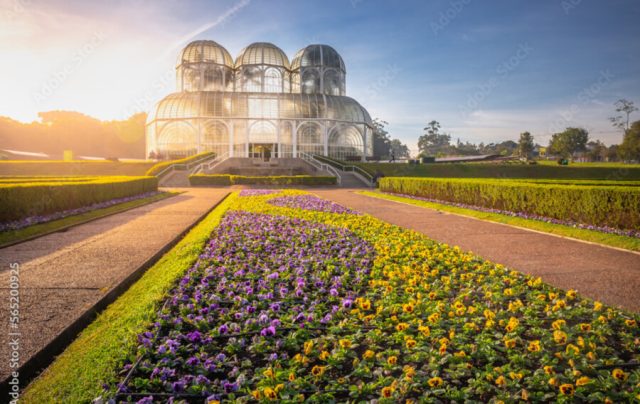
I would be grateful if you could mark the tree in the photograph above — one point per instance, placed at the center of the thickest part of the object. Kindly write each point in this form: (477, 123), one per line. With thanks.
(381, 141)
(525, 145)
(572, 140)
(627, 108)
(399, 149)
(629, 150)
(432, 142)
(597, 151)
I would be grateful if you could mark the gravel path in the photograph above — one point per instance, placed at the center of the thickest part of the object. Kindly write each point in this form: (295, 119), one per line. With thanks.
(606, 274)
(64, 274)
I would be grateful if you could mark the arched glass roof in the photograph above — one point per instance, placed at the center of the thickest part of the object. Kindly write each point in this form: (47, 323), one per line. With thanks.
(262, 53)
(211, 104)
(205, 51)
(318, 55)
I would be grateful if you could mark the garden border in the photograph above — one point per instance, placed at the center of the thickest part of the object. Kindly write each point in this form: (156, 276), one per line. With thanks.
(43, 358)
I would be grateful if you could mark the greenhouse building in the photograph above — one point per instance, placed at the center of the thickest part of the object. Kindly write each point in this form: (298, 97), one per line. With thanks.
(260, 104)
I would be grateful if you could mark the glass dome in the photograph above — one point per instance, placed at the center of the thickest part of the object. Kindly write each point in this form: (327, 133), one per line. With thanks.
(204, 51)
(318, 56)
(262, 53)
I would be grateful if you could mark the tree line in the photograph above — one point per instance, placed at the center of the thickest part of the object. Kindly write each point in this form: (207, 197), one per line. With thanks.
(569, 143)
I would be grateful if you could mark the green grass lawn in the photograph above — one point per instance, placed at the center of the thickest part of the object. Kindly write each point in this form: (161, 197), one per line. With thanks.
(37, 230)
(627, 243)
(594, 164)
(489, 170)
(94, 357)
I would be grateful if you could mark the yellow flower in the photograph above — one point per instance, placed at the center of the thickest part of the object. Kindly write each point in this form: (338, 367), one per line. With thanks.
(585, 327)
(345, 343)
(501, 381)
(368, 354)
(560, 337)
(571, 294)
(630, 323)
(411, 343)
(213, 402)
(534, 346)
(407, 308)
(426, 331)
(619, 374)
(515, 376)
(392, 360)
(324, 355)
(460, 354)
(553, 381)
(572, 349)
(387, 391)
(365, 304)
(270, 393)
(434, 317)
(558, 324)
(582, 381)
(256, 394)
(566, 389)
(597, 306)
(443, 349)
(435, 382)
(409, 371)
(308, 346)
(402, 326)
(318, 371)
(268, 373)
(510, 343)
(548, 370)
(512, 324)
(292, 377)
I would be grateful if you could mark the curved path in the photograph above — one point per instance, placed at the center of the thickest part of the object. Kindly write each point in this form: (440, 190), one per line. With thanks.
(62, 275)
(602, 273)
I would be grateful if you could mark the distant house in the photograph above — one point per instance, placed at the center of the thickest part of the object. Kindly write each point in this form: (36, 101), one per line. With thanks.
(540, 151)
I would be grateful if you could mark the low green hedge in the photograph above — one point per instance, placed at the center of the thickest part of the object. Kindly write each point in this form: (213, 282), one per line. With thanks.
(25, 199)
(227, 179)
(615, 206)
(155, 170)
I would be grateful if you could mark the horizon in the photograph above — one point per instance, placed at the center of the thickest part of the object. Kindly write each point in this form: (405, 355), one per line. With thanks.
(486, 72)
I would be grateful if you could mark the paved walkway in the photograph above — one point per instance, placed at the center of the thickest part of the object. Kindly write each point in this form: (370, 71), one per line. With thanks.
(606, 274)
(64, 274)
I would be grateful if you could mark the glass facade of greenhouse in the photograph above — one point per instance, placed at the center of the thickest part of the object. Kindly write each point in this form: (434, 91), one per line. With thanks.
(259, 104)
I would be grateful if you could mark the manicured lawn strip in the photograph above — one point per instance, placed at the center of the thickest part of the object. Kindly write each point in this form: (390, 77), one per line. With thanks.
(92, 359)
(628, 243)
(78, 167)
(38, 230)
(477, 170)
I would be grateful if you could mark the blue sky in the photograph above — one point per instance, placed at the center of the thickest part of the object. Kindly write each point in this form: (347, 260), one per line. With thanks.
(487, 70)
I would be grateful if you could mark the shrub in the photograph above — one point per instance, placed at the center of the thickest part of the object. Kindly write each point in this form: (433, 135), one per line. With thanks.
(226, 179)
(616, 206)
(24, 199)
(158, 167)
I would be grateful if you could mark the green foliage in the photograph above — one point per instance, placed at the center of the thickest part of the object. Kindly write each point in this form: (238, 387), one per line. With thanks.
(630, 147)
(381, 141)
(572, 140)
(597, 205)
(158, 167)
(525, 145)
(432, 142)
(228, 179)
(94, 357)
(490, 170)
(24, 199)
(399, 149)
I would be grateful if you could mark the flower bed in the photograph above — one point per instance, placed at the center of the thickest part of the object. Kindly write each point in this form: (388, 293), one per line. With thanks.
(258, 192)
(426, 322)
(310, 202)
(602, 229)
(30, 221)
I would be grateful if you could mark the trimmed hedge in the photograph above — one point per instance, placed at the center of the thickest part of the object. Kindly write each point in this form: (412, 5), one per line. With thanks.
(25, 199)
(506, 171)
(228, 179)
(73, 168)
(615, 206)
(164, 164)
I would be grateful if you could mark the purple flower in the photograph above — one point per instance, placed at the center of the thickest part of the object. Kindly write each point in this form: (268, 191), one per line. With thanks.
(268, 332)
(223, 329)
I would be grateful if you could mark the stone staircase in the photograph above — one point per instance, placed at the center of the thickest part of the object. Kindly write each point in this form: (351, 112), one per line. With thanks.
(175, 179)
(349, 180)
